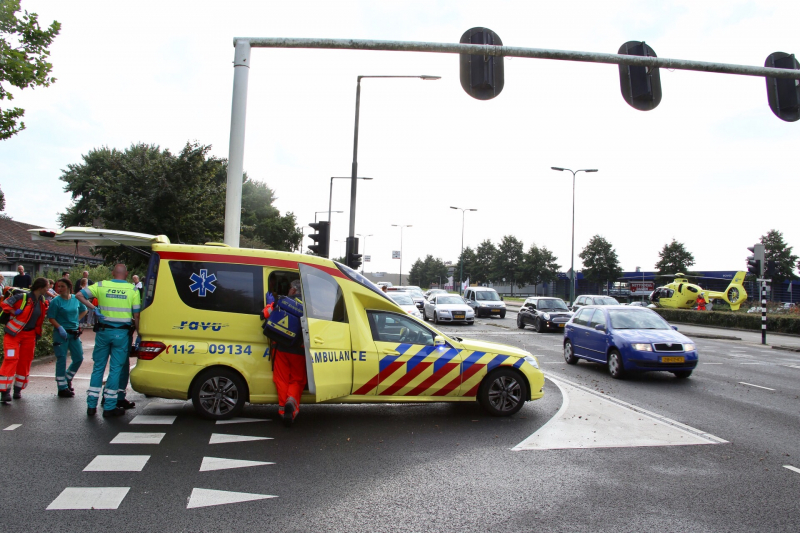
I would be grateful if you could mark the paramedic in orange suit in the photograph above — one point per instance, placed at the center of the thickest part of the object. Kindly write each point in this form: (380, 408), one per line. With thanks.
(289, 373)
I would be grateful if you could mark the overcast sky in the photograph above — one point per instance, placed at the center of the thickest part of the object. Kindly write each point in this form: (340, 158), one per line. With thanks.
(711, 166)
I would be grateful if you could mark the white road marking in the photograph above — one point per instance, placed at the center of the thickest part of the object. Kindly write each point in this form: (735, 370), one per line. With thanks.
(219, 463)
(12, 427)
(153, 419)
(237, 420)
(711, 363)
(158, 406)
(758, 386)
(792, 468)
(751, 363)
(89, 498)
(588, 419)
(138, 438)
(208, 497)
(117, 463)
(221, 438)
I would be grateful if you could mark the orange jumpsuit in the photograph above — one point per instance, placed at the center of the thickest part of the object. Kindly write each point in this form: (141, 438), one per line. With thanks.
(289, 375)
(19, 345)
(701, 303)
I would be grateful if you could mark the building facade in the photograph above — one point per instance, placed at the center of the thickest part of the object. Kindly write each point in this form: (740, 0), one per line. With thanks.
(18, 248)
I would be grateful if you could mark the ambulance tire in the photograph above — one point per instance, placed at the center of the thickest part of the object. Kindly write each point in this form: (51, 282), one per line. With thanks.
(503, 380)
(219, 379)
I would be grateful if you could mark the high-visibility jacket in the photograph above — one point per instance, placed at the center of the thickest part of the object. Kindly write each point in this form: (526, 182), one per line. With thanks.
(117, 301)
(17, 323)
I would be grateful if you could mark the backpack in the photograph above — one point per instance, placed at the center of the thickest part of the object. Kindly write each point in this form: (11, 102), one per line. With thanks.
(283, 324)
(8, 292)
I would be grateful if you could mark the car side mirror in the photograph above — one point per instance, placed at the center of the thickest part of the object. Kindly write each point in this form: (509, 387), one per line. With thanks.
(439, 341)
(600, 327)
(675, 328)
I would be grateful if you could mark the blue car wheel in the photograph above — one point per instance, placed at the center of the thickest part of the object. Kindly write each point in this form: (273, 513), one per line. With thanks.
(615, 367)
(569, 354)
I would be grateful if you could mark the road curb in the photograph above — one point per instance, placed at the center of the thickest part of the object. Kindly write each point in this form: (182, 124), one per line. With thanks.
(787, 348)
(717, 337)
(43, 360)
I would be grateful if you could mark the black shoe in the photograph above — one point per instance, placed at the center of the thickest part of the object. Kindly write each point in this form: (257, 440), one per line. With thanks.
(65, 393)
(288, 413)
(125, 404)
(69, 385)
(5, 396)
(117, 411)
(17, 393)
(91, 411)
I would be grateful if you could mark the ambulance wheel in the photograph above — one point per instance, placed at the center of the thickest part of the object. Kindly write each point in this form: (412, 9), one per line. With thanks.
(219, 393)
(503, 392)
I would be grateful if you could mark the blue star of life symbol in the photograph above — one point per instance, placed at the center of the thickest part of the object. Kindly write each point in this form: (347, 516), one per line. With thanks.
(203, 283)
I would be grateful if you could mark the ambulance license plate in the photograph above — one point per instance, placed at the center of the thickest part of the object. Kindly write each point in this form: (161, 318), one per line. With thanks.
(672, 359)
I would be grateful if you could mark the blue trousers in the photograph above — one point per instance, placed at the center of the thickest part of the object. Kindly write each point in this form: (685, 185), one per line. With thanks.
(61, 347)
(113, 343)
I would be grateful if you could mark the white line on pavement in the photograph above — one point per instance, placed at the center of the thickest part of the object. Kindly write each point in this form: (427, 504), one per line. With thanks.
(117, 463)
(792, 468)
(12, 427)
(89, 498)
(711, 363)
(751, 385)
(751, 363)
(138, 438)
(53, 376)
(153, 419)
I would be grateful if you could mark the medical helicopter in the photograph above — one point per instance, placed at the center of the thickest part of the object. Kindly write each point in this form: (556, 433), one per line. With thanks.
(680, 294)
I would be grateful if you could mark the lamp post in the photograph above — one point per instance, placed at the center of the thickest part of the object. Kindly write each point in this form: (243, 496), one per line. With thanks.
(340, 245)
(365, 248)
(572, 256)
(329, 214)
(461, 257)
(354, 170)
(401, 247)
(330, 194)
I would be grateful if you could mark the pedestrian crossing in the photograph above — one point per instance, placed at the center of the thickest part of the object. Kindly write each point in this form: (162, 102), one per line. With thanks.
(109, 498)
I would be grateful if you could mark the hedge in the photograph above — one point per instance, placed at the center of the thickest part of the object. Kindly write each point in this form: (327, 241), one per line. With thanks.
(44, 346)
(779, 323)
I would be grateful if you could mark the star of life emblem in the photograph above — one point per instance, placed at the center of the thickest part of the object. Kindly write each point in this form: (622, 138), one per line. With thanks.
(203, 283)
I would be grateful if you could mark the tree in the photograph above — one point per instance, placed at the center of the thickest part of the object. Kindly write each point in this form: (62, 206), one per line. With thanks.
(415, 274)
(424, 272)
(775, 249)
(468, 257)
(484, 258)
(674, 258)
(148, 190)
(23, 59)
(3, 205)
(539, 266)
(507, 264)
(600, 261)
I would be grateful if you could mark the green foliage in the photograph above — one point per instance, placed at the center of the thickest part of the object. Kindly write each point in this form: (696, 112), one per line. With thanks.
(674, 258)
(600, 261)
(99, 273)
(427, 271)
(148, 190)
(23, 59)
(468, 257)
(484, 259)
(776, 249)
(783, 323)
(539, 266)
(507, 263)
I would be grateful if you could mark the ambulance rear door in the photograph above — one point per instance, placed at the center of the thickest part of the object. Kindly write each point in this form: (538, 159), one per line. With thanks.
(326, 331)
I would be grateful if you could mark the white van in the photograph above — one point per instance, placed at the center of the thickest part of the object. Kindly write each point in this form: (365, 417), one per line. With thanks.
(485, 301)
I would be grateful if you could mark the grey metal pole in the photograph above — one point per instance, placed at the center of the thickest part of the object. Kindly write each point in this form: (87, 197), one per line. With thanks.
(572, 254)
(401, 255)
(233, 193)
(330, 200)
(354, 169)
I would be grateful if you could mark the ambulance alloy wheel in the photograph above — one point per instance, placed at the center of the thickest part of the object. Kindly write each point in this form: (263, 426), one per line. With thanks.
(503, 392)
(219, 394)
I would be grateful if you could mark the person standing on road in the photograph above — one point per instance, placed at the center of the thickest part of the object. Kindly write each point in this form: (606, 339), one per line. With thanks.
(64, 313)
(22, 280)
(117, 316)
(27, 311)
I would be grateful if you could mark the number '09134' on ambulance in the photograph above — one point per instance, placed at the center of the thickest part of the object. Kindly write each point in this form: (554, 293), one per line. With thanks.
(201, 331)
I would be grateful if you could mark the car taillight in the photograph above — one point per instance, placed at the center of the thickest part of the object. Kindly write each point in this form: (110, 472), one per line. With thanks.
(150, 349)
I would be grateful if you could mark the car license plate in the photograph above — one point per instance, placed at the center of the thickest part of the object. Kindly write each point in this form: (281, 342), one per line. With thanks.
(458, 315)
(495, 310)
(561, 325)
(672, 360)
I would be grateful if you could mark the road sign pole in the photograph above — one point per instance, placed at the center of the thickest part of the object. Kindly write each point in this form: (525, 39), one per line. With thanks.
(764, 310)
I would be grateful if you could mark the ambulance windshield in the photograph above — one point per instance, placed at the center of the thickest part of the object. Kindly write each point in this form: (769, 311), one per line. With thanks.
(359, 278)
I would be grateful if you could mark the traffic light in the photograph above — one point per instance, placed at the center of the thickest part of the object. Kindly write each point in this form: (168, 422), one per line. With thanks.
(755, 262)
(353, 257)
(783, 94)
(322, 238)
(640, 86)
(771, 270)
(482, 77)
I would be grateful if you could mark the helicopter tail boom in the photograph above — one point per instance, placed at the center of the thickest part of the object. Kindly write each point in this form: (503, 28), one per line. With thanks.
(735, 294)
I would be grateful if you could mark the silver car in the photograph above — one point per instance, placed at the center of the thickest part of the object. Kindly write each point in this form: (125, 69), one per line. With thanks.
(448, 308)
(406, 303)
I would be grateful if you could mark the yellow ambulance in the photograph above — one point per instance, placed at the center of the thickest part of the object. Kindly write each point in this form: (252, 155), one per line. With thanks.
(201, 334)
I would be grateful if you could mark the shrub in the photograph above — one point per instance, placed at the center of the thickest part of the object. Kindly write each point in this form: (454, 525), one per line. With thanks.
(779, 323)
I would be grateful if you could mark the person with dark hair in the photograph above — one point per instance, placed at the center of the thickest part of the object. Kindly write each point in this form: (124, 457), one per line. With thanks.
(64, 313)
(65, 275)
(22, 280)
(27, 311)
(51, 292)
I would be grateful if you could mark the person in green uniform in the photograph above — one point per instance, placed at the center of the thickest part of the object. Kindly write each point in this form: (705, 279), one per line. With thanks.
(64, 313)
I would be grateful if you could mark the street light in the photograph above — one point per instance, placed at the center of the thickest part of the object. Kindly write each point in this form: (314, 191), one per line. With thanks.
(365, 248)
(330, 194)
(461, 258)
(354, 170)
(401, 247)
(340, 246)
(329, 214)
(572, 257)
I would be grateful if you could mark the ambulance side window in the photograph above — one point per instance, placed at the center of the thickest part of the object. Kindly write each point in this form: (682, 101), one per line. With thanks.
(322, 297)
(222, 287)
(391, 327)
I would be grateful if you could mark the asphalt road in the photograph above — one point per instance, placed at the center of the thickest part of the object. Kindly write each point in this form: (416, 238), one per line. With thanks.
(436, 467)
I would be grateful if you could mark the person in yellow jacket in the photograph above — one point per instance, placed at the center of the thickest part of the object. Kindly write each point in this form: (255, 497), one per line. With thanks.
(117, 312)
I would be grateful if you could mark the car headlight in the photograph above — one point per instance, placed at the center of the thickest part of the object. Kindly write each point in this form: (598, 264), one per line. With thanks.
(546, 316)
(642, 347)
(688, 347)
(443, 312)
(532, 360)
(481, 304)
(470, 312)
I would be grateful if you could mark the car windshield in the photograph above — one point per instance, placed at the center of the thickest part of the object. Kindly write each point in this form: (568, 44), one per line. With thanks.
(605, 300)
(416, 293)
(489, 296)
(449, 300)
(358, 278)
(401, 298)
(552, 304)
(636, 319)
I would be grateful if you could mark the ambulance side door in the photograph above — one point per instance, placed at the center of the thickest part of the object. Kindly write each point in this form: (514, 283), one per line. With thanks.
(326, 331)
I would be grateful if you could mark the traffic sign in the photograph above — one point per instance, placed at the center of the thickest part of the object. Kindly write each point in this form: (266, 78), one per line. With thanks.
(367, 258)
(395, 254)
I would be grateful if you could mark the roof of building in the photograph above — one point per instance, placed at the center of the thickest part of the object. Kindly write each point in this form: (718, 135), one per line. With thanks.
(15, 234)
